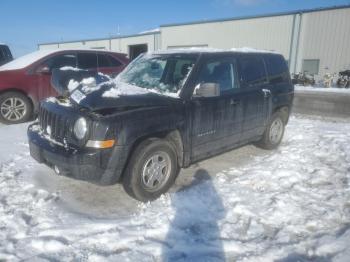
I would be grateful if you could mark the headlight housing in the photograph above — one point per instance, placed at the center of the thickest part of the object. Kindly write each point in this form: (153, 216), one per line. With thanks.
(80, 128)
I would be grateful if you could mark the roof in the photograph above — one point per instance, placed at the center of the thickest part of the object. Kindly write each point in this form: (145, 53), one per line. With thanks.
(26, 60)
(301, 11)
(195, 50)
(105, 38)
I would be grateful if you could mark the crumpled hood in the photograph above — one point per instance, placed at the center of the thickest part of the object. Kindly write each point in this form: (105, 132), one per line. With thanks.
(98, 100)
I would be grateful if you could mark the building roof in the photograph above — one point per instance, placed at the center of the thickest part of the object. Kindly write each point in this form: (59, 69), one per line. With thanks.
(102, 38)
(301, 11)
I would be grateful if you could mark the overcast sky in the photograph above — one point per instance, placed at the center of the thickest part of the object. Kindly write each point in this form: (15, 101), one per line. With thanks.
(24, 24)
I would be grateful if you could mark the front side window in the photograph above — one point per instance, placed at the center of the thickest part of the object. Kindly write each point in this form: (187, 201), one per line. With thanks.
(219, 72)
(165, 73)
(61, 61)
(253, 70)
(87, 60)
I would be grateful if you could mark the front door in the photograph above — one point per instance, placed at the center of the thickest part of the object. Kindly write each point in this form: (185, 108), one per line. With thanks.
(43, 73)
(256, 96)
(216, 121)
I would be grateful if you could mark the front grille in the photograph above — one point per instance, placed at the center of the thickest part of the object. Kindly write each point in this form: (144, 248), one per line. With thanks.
(54, 125)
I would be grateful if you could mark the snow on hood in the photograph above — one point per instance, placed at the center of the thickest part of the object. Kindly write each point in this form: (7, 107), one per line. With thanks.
(111, 89)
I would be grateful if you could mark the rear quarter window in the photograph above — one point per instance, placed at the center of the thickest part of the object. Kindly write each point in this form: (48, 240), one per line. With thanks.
(277, 69)
(253, 70)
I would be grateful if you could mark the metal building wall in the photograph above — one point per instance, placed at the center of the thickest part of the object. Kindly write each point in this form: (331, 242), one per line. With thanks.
(271, 33)
(325, 35)
(122, 44)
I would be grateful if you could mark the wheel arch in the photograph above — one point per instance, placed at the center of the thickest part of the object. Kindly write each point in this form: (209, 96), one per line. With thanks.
(285, 111)
(173, 136)
(17, 90)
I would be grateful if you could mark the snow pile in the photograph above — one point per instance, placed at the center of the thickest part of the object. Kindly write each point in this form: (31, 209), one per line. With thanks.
(291, 204)
(70, 68)
(62, 102)
(322, 89)
(123, 89)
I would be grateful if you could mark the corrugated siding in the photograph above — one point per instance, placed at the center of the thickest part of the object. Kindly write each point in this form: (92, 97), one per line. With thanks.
(271, 33)
(326, 36)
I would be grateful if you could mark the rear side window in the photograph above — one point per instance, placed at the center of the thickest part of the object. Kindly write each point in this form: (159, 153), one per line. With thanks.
(219, 72)
(103, 61)
(253, 70)
(87, 60)
(277, 69)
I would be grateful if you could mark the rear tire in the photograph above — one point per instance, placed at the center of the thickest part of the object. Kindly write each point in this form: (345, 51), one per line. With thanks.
(151, 171)
(15, 108)
(274, 132)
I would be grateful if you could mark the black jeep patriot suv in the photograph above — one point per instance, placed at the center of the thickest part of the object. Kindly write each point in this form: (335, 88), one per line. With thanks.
(165, 111)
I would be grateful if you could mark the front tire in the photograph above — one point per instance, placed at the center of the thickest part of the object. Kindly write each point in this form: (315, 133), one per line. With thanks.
(274, 132)
(152, 170)
(15, 108)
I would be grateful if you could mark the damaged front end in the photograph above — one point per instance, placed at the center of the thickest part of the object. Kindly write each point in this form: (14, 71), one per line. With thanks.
(76, 143)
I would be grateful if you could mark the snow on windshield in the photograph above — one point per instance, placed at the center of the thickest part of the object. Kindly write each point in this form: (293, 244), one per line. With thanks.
(26, 60)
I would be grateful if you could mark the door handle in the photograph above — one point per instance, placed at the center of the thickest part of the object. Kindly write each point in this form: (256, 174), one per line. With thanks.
(234, 102)
(267, 92)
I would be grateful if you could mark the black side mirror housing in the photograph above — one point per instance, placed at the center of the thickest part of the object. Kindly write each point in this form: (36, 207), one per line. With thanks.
(207, 90)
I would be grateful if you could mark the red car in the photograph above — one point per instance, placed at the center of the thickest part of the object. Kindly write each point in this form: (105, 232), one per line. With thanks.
(27, 80)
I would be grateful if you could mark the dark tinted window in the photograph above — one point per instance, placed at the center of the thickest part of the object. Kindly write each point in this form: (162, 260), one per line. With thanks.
(103, 61)
(114, 62)
(5, 53)
(62, 61)
(277, 69)
(219, 72)
(253, 70)
(87, 60)
(2, 55)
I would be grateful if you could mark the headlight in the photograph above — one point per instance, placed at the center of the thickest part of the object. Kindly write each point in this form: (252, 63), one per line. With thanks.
(80, 128)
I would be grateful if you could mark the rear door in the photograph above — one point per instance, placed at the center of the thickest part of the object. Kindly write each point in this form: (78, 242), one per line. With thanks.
(87, 60)
(256, 95)
(216, 121)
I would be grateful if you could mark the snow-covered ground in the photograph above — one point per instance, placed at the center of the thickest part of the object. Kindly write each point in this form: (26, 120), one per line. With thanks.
(291, 204)
(322, 89)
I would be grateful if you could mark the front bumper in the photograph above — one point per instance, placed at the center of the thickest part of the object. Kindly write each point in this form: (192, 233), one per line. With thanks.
(99, 166)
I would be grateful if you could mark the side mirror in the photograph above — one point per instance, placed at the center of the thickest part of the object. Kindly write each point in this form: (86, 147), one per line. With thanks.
(43, 70)
(207, 90)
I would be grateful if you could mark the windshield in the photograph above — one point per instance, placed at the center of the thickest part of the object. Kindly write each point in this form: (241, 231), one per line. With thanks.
(164, 73)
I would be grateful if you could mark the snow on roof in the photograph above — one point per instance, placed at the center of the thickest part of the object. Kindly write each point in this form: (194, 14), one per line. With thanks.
(211, 50)
(29, 59)
(155, 30)
(26, 60)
